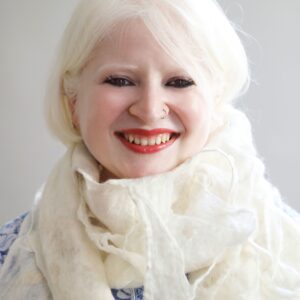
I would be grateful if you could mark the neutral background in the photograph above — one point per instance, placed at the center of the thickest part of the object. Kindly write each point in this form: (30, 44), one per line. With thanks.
(30, 31)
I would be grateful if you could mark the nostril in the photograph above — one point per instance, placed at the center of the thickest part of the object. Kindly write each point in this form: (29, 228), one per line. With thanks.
(149, 113)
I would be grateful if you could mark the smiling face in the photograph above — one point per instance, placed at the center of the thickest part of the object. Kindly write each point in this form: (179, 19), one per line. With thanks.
(139, 113)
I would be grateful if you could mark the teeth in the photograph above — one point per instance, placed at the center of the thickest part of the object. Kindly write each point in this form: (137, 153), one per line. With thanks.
(144, 142)
(148, 141)
(152, 141)
(137, 140)
(158, 140)
(130, 139)
(165, 138)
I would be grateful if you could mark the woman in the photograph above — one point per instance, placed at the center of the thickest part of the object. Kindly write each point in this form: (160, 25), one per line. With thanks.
(160, 194)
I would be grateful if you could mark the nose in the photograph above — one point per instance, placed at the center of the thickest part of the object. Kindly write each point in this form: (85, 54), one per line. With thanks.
(150, 106)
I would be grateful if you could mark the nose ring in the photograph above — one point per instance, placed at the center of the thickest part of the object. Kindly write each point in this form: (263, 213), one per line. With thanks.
(165, 113)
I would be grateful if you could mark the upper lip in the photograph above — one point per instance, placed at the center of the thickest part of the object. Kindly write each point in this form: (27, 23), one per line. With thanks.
(144, 132)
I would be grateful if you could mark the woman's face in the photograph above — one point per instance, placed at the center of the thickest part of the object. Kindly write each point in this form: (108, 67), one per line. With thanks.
(138, 112)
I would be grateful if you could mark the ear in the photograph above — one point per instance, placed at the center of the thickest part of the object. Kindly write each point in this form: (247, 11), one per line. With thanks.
(72, 105)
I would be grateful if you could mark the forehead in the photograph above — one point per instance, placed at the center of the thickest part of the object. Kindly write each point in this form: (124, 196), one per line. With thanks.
(132, 42)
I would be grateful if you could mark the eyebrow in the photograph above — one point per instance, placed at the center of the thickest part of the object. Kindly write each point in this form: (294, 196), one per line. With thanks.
(120, 66)
(125, 67)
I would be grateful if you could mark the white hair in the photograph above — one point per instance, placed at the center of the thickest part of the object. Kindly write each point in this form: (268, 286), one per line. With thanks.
(197, 34)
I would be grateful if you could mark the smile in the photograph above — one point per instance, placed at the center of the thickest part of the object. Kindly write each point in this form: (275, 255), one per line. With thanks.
(147, 141)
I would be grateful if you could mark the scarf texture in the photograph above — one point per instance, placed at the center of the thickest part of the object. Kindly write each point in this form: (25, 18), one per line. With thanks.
(212, 228)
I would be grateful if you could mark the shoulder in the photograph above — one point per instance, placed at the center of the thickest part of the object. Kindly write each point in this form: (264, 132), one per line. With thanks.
(8, 234)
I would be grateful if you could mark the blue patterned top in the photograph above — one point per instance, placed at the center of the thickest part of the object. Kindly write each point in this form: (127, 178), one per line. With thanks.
(8, 234)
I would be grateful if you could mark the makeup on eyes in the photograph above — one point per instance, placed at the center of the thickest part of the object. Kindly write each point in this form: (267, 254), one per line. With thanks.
(123, 80)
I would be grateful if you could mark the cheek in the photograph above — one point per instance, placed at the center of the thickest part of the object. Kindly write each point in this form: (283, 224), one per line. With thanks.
(98, 110)
(196, 114)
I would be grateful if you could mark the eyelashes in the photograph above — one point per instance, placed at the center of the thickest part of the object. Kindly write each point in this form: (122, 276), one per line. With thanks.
(122, 81)
(180, 83)
(118, 81)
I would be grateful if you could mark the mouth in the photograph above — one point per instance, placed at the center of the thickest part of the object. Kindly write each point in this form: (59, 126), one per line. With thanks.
(147, 141)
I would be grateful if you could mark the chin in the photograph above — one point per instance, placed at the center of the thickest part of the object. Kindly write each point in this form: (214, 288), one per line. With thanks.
(144, 172)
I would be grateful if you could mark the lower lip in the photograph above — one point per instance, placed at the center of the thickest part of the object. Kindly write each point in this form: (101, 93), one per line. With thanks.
(147, 149)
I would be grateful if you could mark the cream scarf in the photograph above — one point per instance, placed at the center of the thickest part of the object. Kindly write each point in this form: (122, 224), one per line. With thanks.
(200, 231)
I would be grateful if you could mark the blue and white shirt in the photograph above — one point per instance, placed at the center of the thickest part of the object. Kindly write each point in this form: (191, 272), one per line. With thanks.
(8, 234)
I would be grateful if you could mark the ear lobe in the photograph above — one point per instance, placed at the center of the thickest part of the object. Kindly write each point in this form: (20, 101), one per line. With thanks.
(72, 109)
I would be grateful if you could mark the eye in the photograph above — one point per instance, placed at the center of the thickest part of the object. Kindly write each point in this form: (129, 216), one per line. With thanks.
(118, 81)
(180, 83)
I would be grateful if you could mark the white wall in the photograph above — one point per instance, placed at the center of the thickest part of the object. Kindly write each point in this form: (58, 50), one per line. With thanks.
(273, 101)
(29, 32)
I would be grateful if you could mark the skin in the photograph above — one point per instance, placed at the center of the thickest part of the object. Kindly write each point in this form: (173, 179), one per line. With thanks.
(127, 83)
